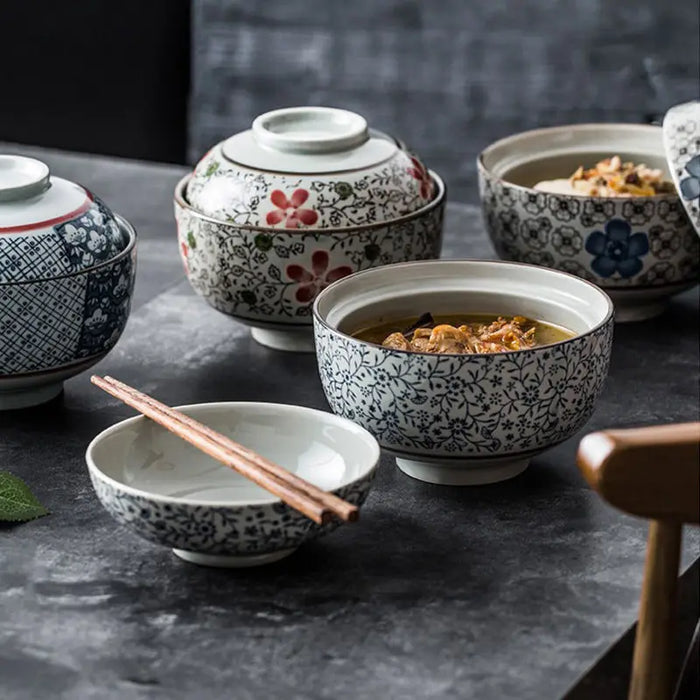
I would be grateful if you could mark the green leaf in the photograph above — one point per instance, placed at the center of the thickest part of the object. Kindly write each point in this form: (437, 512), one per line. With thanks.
(17, 503)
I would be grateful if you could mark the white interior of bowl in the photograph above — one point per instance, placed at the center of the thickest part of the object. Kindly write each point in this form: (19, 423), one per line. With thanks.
(143, 458)
(462, 286)
(546, 154)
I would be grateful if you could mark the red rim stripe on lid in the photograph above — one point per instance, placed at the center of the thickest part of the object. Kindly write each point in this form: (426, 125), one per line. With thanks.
(50, 222)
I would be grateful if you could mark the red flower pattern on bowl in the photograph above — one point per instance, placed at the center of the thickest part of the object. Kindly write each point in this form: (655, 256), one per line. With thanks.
(183, 251)
(289, 210)
(420, 173)
(311, 283)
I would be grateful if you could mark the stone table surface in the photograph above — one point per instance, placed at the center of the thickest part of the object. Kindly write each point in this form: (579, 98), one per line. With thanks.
(513, 590)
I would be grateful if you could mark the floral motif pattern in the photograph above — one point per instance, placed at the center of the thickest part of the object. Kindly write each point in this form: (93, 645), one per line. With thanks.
(274, 276)
(591, 237)
(311, 283)
(461, 405)
(420, 173)
(77, 244)
(567, 241)
(617, 250)
(690, 185)
(664, 242)
(290, 210)
(253, 198)
(536, 232)
(681, 131)
(236, 530)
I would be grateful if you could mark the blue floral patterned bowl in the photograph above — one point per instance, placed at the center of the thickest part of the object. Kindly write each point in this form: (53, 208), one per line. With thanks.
(55, 328)
(170, 493)
(464, 419)
(641, 250)
(268, 278)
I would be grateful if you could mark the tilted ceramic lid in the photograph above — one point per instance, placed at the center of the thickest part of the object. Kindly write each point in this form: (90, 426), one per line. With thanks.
(50, 227)
(309, 167)
(682, 143)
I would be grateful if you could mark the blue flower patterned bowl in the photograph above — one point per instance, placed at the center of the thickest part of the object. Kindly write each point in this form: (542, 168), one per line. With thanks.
(170, 493)
(56, 327)
(464, 419)
(641, 250)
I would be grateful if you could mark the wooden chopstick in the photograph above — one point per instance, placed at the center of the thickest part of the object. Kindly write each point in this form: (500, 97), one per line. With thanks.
(344, 510)
(310, 500)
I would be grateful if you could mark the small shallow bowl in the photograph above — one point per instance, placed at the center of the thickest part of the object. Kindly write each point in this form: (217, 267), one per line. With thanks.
(309, 167)
(170, 493)
(464, 419)
(641, 250)
(52, 329)
(268, 278)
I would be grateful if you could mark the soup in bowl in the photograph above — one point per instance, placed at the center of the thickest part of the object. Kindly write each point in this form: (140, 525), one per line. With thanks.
(595, 200)
(464, 414)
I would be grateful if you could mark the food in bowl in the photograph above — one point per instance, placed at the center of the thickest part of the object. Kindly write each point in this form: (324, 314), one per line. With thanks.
(640, 248)
(463, 334)
(464, 418)
(611, 177)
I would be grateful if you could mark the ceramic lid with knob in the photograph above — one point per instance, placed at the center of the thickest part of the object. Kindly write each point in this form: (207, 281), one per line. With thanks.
(309, 167)
(50, 227)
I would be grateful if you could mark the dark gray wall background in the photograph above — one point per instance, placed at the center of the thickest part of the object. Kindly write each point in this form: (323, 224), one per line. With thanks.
(448, 76)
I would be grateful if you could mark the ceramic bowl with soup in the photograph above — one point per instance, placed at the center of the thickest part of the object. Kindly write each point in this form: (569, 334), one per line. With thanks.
(456, 413)
(595, 200)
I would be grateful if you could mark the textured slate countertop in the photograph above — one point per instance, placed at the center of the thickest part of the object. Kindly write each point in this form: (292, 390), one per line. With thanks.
(510, 590)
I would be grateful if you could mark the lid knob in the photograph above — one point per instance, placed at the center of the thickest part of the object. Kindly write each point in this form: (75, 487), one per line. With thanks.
(310, 130)
(22, 178)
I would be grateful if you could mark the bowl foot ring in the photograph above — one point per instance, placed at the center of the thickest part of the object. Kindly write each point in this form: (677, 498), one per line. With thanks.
(31, 396)
(292, 340)
(466, 473)
(228, 561)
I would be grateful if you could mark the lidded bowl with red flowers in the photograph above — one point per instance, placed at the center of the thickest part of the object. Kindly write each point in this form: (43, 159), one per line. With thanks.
(309, 167)
(273, 215)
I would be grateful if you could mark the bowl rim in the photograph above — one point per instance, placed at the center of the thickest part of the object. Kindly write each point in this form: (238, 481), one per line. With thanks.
(607, 318)
(126, 250)
(345, 423)
(437, 201)
(543, 131)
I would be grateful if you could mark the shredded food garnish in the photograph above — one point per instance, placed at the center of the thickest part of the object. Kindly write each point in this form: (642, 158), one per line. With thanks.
(500, 336)
(613, 178)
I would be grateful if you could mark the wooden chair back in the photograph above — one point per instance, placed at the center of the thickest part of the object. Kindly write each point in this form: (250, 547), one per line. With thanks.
(653, 473)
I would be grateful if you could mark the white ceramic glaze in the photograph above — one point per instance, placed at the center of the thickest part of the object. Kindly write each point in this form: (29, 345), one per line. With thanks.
(464, 419)
(309, 167)
(682, 142)
(170, 493)
(641, 250)
(50, 227)
(268, 279)
(52, 329)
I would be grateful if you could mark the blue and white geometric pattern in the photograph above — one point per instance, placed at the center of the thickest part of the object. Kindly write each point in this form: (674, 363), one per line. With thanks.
(40, 323)
(50, 323)
(33, 257)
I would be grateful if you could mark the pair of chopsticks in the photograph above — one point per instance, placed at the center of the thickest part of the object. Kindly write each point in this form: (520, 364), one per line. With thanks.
(316, 504)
